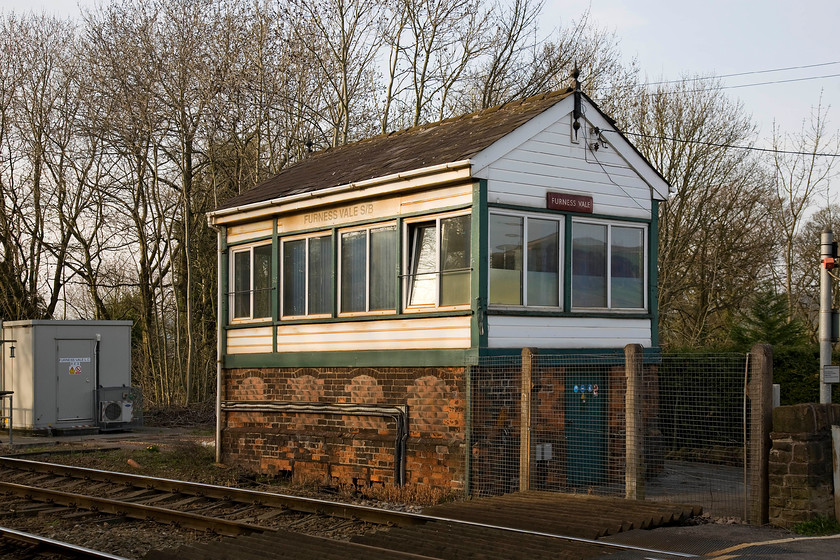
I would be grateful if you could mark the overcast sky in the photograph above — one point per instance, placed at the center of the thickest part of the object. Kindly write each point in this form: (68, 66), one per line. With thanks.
(671, 38)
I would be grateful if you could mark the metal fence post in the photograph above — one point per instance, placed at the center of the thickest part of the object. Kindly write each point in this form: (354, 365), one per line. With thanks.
(760, 392)
(525, 420)
(634, 477)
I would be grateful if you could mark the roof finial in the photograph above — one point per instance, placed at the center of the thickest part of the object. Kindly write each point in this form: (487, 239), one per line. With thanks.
(576, 113)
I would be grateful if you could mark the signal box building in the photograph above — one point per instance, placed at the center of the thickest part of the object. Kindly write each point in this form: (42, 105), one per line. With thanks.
(360, 287)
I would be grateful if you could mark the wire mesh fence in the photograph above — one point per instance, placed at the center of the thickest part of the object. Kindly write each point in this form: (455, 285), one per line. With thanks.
(573, 425)
(703, 423)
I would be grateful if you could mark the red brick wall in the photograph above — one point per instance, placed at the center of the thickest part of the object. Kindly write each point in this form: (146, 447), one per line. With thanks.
(340, 449)
(496, 425)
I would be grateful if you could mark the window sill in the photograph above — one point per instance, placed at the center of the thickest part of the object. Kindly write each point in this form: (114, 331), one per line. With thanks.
(350, 315)
(433, 309)
(557, 312)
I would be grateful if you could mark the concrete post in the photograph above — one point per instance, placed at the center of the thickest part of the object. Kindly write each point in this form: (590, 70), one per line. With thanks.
(525, 420)
(760, 393)
(835, 455)
(634, 476)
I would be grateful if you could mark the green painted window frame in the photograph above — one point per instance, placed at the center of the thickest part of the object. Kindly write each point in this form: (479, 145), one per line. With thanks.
(374, 300)
(439, 270)
(524, 256)
(609, 253)
(310, 275)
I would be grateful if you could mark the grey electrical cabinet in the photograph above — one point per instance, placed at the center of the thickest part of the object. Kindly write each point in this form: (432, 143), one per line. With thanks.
(69, 375)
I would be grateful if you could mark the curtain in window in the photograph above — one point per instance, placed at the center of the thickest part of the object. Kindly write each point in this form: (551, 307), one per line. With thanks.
(589, 265)
(455, 260)
(320, 275)
(627, 267)
(543, 262)
(262, 281)
(383, 268)
(423, 267)
(505, 260)
(242, 284)
(294, 277)
(353, 270)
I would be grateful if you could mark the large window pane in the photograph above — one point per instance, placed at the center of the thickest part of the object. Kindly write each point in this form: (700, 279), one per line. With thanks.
(505, 260)
(353, 270)
(627, 267)
(262, 281)
(294, 277)
(242, 284)
(422, 281)
(543, 262)
(455, 260)
(320, 275)
(589, 265)
(383, 268)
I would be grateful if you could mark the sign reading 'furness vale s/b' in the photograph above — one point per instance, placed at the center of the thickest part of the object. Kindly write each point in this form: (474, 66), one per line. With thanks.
(569, 202)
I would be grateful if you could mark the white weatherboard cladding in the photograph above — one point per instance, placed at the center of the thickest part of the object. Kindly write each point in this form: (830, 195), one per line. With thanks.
(550, 162)
(539, 157)
(566, 332)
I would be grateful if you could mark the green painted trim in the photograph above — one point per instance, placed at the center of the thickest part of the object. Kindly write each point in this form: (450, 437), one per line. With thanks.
(479, 240)
(398, 280)
(532, 312)
(567, 266)
(275, 281)
(533, 210)
(335, 241)
(224, 312)
(606, 355)
(653, 274)
(361, 358)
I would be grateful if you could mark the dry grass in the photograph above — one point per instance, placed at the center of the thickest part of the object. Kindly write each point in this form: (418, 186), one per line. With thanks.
(412, 494)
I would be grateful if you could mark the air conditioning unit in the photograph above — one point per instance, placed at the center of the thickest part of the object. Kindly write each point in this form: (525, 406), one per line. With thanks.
(112, 412)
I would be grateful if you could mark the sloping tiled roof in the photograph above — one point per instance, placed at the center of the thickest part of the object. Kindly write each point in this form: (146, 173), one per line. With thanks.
(454, 139)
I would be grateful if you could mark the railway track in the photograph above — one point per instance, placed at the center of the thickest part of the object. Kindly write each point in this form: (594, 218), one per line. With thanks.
(26, 546)
(497, 529)
(205, 507)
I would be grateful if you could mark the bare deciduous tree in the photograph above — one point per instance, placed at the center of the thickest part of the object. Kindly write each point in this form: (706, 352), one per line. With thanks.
(713, 230)
(800, 178)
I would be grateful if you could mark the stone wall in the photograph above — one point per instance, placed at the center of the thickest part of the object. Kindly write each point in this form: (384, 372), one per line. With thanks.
(348, 449)
(800, 470)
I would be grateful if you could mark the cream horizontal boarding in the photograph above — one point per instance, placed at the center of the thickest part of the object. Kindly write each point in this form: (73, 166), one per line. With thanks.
(566, 332)
(252, 230)
(350, 195)
(249, 341)
(349, 212)
(409, 334)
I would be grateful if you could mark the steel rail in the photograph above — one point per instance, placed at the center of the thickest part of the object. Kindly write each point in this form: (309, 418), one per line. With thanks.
(135, 511)
(296, 503)
(55, 546)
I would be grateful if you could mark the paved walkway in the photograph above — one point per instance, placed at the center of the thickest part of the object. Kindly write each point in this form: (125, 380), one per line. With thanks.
(726, 542)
